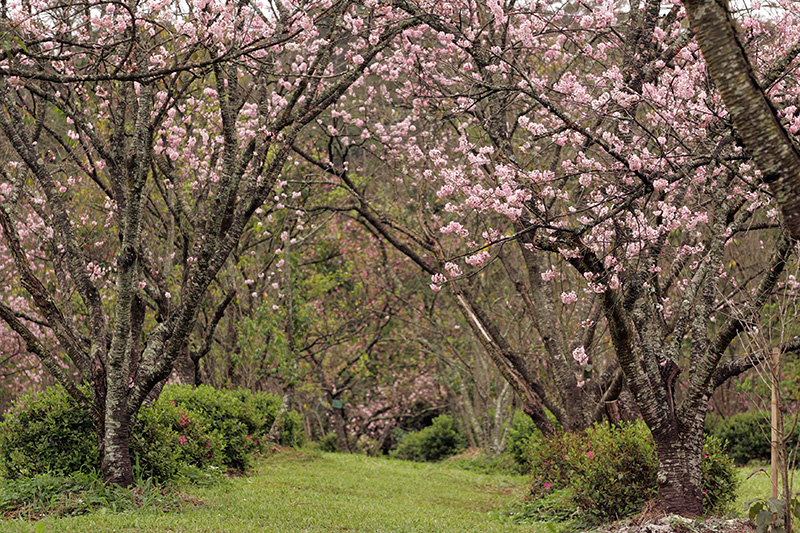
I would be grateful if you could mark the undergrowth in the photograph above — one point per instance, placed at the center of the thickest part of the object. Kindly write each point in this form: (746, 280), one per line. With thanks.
(43, 495)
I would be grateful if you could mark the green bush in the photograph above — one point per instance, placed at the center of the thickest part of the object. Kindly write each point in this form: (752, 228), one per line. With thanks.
(433, 443)
(167, 438)
(615, 474)
(329, 443)
(225, 417)
(186, 427)
(747, 436)
(610, 471)
(719, 476)
(519, 432)
(548, 460)
(44, 433)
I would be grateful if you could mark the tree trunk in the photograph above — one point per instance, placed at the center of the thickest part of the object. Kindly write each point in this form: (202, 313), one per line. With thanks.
(116, 452)
(679, 472)
(341, 430)
(754, 117)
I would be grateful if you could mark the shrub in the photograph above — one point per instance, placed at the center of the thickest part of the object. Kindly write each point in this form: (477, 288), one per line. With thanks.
(167, 438)
(747, 436)
(224, 417)
(548, 460)
(329, 443)
(234, 423)
(519, 432)
(46, 432)
(610, 472)
(720, 481)
(614, 474)
(435, 442)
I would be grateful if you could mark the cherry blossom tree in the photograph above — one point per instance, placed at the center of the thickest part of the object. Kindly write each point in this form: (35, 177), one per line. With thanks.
(583, 151)
(141, 139)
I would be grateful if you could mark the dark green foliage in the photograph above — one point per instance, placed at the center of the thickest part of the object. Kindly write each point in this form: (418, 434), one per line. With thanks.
(747, 436)
(433, 443)
(166, 438)
(186, 429)
(329, 443)
(227, 418)
(719, 476)
(46, 433)
(614, 474)
(610, 472)
(519, 432)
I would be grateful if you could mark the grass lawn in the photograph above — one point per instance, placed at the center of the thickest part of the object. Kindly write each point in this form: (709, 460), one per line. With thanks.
(755, 483)
(296, 491)
(302, 491)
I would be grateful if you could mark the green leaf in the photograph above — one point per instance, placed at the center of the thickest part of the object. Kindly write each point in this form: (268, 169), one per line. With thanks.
(755, 508)
(776, 506)
(764, 519)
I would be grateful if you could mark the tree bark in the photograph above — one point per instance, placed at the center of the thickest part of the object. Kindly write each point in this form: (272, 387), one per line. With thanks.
(116, 454)
(679, 471)
(751, 111)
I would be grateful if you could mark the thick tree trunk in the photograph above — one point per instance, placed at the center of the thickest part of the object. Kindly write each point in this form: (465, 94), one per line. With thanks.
(116, 452)
(679, 472)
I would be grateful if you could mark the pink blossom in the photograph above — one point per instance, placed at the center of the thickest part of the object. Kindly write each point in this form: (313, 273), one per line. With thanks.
(580, 355)
(569, 297)
(478, 259)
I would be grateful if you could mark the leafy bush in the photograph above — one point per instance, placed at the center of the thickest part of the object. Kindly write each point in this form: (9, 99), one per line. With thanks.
(519, 432)
(329, 443)
(610, 471)
(615, 474)
(719, 476)
(548, 462)
(224, 417)
(46, 432)
(167, 438)
(435, 442)
(201, 427)
(747, 436)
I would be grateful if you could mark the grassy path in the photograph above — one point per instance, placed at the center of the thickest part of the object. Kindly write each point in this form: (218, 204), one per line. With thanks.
(302, 492)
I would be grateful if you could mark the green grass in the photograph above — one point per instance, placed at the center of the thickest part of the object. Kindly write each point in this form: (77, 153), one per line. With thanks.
(296, 491)
(756, 484)
(312, 492)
